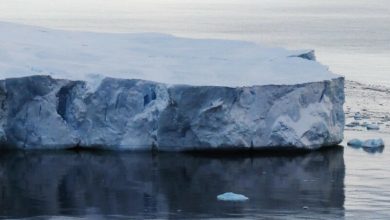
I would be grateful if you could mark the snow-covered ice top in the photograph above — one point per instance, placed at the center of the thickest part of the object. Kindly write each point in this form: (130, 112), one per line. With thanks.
(28, 50)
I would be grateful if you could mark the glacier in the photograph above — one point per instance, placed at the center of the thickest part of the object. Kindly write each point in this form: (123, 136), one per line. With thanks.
(64, 89)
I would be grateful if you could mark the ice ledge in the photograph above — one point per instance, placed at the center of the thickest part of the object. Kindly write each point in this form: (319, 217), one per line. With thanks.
(39, 112)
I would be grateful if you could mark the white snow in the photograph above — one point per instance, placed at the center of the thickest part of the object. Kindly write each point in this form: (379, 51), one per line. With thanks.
(232, 197)
(28, 50)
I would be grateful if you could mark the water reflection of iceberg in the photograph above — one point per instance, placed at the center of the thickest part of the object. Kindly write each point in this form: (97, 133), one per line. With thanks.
(169, 185)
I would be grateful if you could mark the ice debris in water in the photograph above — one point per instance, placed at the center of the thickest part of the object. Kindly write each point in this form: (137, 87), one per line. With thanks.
(374, 143)
(372, 127)
(370, 143)
(357, 116)
(353, 124)
(386, 118)
(355, 143)
(232, 197)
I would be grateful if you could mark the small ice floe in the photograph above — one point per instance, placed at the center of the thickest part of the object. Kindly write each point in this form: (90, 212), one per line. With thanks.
(366, 117)
(357, 116)
(364, 124)
(386, 118)
(232, 197)
(353, 124)
(370, 145)
(355, 143)
(373, 150)
(372, 127)
(373, 143)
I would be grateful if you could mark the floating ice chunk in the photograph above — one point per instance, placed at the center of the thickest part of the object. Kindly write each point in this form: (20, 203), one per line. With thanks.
(358, 116)
(372, 127)
(386, 118)
(232, 197)
(373, 150)
(355, 143)
(374, 143)
(352, 124)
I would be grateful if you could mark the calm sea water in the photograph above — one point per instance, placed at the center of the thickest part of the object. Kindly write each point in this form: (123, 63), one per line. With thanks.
(351, 36)
(119, 185)
(335, 183)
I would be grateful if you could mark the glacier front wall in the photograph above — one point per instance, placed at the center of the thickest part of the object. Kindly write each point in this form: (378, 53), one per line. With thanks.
(39, 112)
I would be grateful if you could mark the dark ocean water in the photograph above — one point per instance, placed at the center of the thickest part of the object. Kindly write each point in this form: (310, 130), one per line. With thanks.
(109, 185)
(334, 183)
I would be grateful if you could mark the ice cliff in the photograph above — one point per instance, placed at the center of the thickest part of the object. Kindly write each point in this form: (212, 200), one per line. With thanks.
(61, 89)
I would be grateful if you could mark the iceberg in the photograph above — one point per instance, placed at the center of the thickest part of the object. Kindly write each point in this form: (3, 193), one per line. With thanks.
(64, 89)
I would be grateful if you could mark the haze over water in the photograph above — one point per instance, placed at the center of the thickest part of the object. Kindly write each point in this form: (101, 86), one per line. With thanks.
(351, 37)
